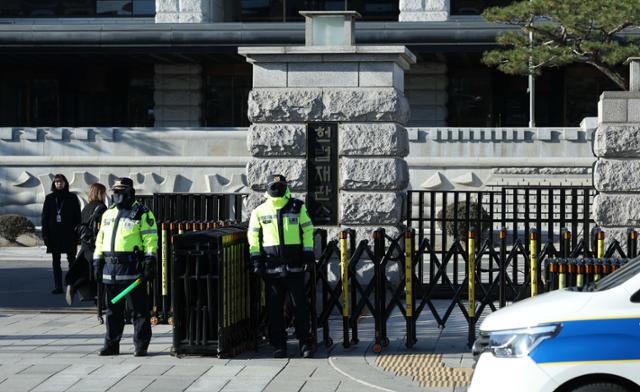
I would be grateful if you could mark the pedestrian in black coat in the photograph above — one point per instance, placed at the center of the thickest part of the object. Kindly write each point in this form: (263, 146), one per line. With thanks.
(60, 216)
(80, 277)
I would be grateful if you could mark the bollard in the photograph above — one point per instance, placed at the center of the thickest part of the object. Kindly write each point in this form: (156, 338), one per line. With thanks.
(552, 267)
(632, 244)
(471, 281)
(579, 272)
(533, 261)
(566, 243)
(599, 243)
(408, 283)
(562, 275)
(502, 297)
(571, 272)
(344, 274)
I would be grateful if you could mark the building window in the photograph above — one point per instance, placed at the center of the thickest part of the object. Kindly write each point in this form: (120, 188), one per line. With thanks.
(76, 8)
(287, 10)
(475, 7)
(226, 93)
(88, 96)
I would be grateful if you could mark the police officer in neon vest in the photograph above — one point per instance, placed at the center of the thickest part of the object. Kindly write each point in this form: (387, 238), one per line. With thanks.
(126, 248)
(281, 243)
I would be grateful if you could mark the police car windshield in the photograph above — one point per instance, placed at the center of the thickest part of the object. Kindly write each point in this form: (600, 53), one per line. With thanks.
(618, 277)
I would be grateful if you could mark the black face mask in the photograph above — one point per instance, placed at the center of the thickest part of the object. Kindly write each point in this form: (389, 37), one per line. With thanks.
(122, 198)
(277, 189)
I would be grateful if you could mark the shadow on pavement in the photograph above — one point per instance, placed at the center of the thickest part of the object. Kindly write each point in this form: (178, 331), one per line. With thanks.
(30, 288)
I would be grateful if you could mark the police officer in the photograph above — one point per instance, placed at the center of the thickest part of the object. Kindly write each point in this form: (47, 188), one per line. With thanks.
(126, 248)
(281, 243)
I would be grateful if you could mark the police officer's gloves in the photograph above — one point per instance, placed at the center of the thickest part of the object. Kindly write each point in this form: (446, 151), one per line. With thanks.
(257, 263)
(149, 268)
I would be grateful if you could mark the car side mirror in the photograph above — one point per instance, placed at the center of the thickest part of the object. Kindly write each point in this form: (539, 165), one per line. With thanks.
(635, 298)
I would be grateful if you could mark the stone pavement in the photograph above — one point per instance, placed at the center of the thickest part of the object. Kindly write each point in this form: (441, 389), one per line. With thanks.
(48, 348)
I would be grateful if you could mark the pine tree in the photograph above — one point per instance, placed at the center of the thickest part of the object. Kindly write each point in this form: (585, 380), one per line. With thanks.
(595, 32)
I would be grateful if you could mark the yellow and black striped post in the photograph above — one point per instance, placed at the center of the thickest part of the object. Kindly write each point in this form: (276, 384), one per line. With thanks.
(533, 261)
(171, 232)
(164, 264)
(408, 284)
(471, 282)
(502, 289)
(471, 273)
(344, 280)
(600, 255)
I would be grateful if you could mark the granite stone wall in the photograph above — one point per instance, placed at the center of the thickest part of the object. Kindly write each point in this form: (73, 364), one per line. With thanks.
(616, 173)
(361, 89)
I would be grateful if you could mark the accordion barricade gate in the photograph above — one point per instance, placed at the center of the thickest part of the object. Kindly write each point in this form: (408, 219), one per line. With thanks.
(213, 293)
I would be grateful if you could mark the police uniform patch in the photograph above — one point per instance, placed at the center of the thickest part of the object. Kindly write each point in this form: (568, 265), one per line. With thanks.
(150, 221)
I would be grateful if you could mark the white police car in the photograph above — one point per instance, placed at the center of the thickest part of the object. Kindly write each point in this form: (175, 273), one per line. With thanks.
(570, 340)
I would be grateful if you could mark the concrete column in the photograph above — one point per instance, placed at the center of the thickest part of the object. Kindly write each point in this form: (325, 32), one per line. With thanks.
(424, 10)
(189, 11)
(616, 174)
(178, 95)
(361, 89)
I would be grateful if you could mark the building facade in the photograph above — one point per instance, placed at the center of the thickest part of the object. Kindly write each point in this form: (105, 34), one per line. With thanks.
(156, 89)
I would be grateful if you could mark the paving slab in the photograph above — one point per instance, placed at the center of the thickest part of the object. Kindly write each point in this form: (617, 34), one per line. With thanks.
(169, 384)
(57, 383)
(132, 383)
(22, 382)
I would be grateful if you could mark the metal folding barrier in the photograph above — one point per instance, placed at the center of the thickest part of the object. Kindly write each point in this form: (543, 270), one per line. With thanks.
(214, 293)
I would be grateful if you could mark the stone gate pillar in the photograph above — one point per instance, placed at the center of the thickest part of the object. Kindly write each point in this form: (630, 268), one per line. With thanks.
(331, 119)
(616, 174)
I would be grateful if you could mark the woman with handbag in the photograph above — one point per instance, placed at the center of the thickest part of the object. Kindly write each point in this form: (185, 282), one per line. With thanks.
(80, 279)
(60, 215)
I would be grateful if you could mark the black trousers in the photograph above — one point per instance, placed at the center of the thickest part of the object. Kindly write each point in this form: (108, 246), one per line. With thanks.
(57, 269)
(80, 274)
(293, 285)
(138, 301)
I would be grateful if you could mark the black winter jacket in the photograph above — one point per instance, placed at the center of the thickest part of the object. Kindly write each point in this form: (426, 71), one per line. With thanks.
(60, 237)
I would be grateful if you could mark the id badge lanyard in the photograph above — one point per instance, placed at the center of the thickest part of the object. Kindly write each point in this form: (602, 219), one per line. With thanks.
(58, 211)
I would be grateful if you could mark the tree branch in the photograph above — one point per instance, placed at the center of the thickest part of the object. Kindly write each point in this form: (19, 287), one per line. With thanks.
(619, 28)
(610, 73)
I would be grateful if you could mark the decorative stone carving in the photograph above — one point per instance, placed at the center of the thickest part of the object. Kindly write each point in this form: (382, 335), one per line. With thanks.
(434, 181)
(357, 139)
(371, 208)
(385, 174)
(469, 179)
(259, 172)
(274, 140)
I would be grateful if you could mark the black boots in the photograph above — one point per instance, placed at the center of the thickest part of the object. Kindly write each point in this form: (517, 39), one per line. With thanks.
(109, 350)
(306, 351)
